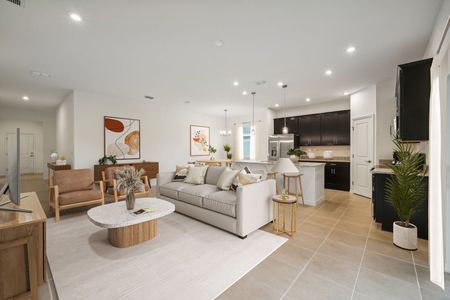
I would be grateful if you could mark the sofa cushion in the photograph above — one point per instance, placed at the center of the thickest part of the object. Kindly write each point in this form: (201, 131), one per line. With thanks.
(223, 202)
(78, 197)
(74, 180)
(171, 189)
(196, 175)
(195, 193)
(213, 174)
(226, 179)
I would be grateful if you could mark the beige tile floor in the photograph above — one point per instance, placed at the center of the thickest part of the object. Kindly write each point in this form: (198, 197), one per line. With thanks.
(338, 252)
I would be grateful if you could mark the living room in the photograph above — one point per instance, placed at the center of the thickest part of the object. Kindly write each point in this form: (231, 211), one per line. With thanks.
(265, 133)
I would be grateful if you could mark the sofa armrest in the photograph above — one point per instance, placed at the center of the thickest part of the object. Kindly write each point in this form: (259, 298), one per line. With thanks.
(254, 206)
(163, 178)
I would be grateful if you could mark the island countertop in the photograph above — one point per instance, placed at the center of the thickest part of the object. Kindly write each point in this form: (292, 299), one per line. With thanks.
(272, 163)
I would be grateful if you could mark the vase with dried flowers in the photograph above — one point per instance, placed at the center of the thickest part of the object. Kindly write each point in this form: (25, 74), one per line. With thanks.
(129, 180)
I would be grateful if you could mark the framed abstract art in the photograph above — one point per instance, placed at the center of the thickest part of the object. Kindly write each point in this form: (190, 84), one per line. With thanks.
(122, 137)
(199, 140)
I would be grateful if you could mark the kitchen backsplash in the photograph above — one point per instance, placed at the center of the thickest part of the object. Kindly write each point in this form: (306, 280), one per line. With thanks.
(338, 151)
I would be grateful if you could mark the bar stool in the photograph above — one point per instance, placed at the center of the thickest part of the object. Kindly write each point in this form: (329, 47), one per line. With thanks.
(273, 175)
(298, 184)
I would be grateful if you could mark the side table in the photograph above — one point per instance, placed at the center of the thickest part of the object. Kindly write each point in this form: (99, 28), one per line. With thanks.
(280, 206)
(55, 167)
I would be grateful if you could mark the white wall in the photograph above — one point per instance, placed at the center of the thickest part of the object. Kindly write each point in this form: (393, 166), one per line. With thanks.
(45, 117)
(385, 113)
(164, 129)
(26, 127)
(343, 104)
(65, 128)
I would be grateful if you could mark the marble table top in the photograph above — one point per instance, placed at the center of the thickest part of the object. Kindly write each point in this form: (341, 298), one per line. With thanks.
(115, 215)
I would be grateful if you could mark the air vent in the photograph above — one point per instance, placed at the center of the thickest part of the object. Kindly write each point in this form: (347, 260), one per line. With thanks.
(16, 2)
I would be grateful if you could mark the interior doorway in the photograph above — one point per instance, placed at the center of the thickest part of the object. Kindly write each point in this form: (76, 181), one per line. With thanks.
(27, 151)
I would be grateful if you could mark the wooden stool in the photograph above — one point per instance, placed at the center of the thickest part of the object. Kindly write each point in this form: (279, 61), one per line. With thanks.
(298, 184)
(279, 214)
(273, 175)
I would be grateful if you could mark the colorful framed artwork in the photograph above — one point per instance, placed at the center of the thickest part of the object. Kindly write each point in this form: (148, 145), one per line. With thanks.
(122, 137)
(199, 140)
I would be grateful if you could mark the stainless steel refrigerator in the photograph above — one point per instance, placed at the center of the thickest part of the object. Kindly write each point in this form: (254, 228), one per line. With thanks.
(279, 144)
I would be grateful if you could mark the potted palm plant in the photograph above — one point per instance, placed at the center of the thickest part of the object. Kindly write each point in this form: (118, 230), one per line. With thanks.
(405, 191)
(129, 181)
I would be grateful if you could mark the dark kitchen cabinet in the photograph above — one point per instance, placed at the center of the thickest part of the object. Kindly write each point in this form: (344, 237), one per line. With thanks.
(291, 123)
(335, 128)
(384, 213)
(337, 176)
(278, 125)
(413, 100)
(310, 130)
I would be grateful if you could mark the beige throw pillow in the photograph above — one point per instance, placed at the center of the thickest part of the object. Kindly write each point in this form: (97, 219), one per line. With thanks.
(226, 179)
(196, 174)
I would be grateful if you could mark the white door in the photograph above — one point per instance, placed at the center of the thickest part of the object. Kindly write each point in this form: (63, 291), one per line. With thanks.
(27, 152)
(362, 156)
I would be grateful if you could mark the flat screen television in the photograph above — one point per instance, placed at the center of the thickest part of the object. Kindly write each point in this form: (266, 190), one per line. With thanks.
(12, 184)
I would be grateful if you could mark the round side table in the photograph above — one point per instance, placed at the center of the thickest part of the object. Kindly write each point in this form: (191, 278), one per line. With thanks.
(280, 206)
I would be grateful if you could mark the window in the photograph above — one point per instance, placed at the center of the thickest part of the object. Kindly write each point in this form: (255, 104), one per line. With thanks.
(246, 140)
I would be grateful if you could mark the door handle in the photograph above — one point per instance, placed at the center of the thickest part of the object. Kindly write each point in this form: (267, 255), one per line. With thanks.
(368, 161)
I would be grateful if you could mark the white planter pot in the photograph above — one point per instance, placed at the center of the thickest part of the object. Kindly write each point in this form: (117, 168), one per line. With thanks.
(294, 158)
(404, 237)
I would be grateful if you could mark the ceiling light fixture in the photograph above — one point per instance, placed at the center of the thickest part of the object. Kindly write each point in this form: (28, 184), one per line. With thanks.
(25, 98)
(218, 43)
(253, 129)
(235, 83)
(346, 93)
(280, 84)
(351, 49)
(244, 93)
(225, 132)
(308, 99)
(76, 17)
(37, 73)
(328, 72)
(277, 105)
(285, 130)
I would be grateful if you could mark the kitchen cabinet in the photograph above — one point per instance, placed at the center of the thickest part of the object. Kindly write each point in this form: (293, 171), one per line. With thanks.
(278, 126)
(335, 129)
(310, 130)
(337, 176)
(384, 213)
(291, 123)
(413, 100)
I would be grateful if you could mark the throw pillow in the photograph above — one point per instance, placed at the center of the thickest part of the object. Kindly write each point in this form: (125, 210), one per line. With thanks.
(180, 173)
(196, 174)
(226, 179)
(248, 178)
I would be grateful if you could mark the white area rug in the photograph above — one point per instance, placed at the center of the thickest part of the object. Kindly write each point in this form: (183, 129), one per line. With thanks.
(187, 260)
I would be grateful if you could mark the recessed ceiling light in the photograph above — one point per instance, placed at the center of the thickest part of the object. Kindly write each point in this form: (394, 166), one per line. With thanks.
(76, 17)
(218, 43)
(235, 83)
(351, 49)
(328, 72)
(260, 82)
(277, 105)
(346, 93)
(149, 97)
(280, 83)
(25, 98)
(308, 99)
(244, 93)
(37, 73)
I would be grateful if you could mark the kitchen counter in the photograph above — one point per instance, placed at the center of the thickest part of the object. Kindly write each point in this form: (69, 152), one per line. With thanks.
(385, 170)
(313, 177)
(322, 159)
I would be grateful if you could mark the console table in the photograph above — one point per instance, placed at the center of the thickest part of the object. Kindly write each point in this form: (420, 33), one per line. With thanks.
(22, 250)
(151, 168)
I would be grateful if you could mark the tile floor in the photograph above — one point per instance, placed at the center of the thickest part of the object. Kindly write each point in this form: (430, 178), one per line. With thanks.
(338, 252)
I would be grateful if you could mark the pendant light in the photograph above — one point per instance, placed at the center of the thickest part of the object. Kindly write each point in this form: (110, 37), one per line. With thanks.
(225, 132)
(285, 130)
(252, 130)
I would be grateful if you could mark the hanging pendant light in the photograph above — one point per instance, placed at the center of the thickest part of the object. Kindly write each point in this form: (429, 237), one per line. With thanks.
(252, 130)
(285, 130)
(225, 132)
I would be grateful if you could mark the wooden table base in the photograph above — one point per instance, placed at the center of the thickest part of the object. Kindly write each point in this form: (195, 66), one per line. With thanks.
(128, 236)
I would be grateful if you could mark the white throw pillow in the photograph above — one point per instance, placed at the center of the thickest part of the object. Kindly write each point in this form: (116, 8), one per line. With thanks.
(226, 179)
(196, 174)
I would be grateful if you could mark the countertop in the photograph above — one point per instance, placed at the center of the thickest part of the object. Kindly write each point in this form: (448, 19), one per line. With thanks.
(380, 169)
(322, 159)
(301, 163)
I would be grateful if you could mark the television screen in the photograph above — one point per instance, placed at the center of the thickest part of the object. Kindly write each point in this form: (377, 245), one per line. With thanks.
(13, 178)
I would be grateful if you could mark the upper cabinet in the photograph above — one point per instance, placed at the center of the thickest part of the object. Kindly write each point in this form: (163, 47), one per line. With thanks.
(318, 129)
(413, 100)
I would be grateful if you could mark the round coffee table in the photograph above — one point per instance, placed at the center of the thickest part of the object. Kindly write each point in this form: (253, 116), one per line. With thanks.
(279, 213)
(126, 229)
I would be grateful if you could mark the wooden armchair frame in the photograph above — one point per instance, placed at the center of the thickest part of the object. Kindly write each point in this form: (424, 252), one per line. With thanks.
(54, 202)
(116, 196)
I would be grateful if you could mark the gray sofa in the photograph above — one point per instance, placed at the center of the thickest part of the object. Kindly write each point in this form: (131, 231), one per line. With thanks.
(240, 212)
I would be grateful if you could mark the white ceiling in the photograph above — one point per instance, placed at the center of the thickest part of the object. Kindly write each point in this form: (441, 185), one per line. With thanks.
(166, 49)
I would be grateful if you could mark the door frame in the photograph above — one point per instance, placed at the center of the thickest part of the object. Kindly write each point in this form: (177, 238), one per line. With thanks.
(5, 152)
(352, 147)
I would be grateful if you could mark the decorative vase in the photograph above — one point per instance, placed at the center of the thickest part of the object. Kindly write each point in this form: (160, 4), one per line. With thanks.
(130, 200)
(211, 158)
(293, 158)
(405, 237)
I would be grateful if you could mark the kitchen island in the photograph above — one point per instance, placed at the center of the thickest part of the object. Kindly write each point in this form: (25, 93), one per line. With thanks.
(313, 178)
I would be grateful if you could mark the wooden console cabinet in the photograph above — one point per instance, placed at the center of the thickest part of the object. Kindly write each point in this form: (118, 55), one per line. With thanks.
(151, 168)
(22, 250)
